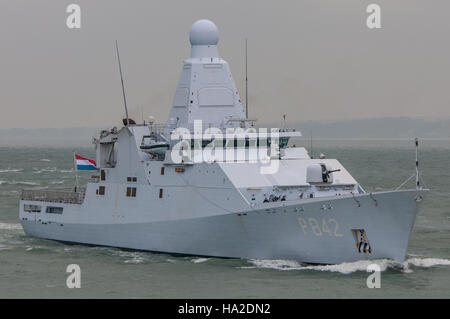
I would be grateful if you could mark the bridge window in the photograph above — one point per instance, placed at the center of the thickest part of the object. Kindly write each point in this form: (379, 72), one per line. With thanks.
(54, 210)
(160, 193)
(131, 179)
(100, 190)
(162, 170)
(131, 191)
(234, 143)
(32, 208)
(102, 175)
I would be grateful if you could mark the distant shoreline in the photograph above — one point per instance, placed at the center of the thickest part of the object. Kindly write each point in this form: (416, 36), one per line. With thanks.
(388, 129)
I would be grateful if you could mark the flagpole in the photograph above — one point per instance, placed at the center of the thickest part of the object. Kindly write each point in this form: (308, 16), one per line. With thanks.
(76, 172)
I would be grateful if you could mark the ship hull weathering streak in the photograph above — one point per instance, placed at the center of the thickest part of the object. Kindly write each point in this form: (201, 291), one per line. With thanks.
(310, 210)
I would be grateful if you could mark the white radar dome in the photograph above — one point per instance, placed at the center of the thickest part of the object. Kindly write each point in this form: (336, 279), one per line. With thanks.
(204, 32)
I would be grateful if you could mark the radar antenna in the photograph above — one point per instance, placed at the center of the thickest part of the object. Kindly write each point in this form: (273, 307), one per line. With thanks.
(123, 87)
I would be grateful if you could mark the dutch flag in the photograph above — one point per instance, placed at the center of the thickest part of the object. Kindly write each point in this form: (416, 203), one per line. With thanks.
(84, 164)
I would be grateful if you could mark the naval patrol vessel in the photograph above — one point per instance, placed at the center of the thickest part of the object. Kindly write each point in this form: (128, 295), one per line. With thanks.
(209, 183)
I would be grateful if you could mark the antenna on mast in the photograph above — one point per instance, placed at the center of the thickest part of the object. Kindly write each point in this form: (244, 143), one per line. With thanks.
(311, 142)
(246, 82)
(123, 87)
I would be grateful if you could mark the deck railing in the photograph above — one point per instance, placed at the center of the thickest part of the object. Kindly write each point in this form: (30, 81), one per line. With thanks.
(55, 196)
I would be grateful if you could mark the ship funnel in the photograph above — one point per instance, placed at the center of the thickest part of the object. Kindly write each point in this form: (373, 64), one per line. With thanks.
(204, 37)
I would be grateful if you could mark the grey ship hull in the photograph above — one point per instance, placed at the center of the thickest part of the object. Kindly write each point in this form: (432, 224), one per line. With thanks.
(214, 203)
(311, 230)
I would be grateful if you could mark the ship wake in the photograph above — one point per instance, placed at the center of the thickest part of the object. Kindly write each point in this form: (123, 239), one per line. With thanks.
(349, 267)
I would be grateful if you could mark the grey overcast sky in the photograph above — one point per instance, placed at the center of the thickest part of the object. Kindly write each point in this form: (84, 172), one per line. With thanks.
(311, 59)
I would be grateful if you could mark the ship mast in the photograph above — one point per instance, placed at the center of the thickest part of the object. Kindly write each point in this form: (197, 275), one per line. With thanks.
(416, 141)
(123, 87)
(246, 82)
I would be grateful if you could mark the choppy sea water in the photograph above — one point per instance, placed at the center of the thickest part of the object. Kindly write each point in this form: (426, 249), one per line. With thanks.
(36, 268)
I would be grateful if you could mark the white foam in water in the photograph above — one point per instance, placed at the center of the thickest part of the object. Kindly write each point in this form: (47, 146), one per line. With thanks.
(44, 170)
(428, 262)
(344, 268)
(134, 260)
(8, 226)
(25, 183)
(14, 170)
(18, 183)
(134, 257)
(9, 193)
(199, 260)
(350, 267)
(45, 160)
